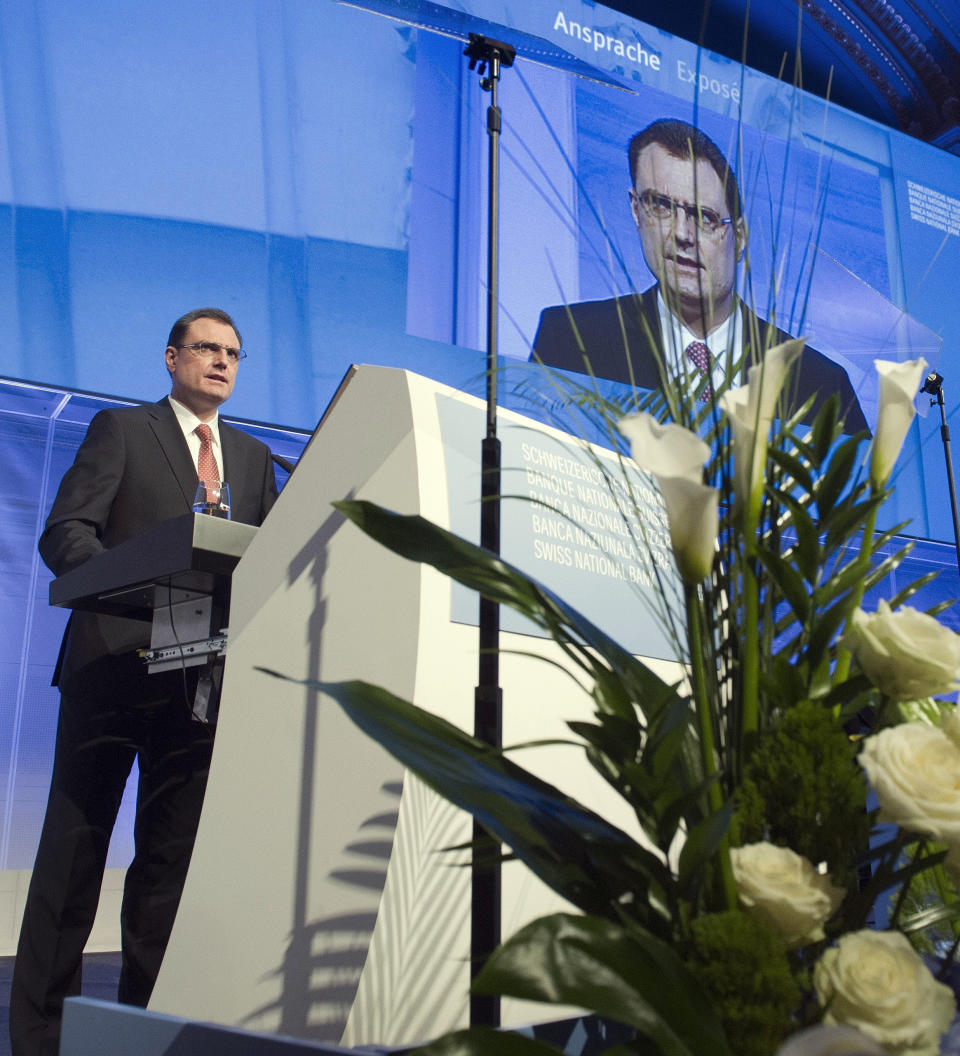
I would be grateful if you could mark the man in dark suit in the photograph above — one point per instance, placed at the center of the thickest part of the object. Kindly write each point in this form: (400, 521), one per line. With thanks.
(137, 466)
(689, 329)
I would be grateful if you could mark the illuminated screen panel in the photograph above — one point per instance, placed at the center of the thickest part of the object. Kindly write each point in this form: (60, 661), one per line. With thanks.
(320, 172)
(844, 246)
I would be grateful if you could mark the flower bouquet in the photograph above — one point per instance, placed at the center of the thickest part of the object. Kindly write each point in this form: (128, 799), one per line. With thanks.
(798, 786)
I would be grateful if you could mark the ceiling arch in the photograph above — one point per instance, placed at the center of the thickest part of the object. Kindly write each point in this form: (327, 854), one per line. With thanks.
(895, 61)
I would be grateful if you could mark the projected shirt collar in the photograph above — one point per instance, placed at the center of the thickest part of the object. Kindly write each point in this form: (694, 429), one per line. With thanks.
(724, 341)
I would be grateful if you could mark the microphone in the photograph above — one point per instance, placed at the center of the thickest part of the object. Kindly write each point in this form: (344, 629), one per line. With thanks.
(932, 384)
(284, 463)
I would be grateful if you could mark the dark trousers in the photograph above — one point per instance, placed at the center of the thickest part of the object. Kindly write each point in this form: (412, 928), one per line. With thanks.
(98, 737)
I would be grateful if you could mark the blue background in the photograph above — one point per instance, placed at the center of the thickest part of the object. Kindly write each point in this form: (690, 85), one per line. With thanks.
(320, 173)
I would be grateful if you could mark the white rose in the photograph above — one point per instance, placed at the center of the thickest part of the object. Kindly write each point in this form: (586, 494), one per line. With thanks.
(915, 771)
(906, 654)
(784, 887)
(874, 981)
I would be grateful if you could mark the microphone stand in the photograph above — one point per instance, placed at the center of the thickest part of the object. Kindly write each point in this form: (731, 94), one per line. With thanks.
(488, 57)
(933, 386)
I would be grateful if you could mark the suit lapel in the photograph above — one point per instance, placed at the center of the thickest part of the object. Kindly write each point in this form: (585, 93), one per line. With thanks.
(229, 451)
(170, 437)
(648, 342)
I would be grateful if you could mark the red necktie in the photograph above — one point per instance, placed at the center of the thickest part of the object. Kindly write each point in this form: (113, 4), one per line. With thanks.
(699, 356)
(207, 468)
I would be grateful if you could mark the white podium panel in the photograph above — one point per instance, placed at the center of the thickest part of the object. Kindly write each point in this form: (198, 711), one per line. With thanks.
(319, 903)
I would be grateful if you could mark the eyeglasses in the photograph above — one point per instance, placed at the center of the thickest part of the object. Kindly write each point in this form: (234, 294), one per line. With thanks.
(663, 207)
(208, 349)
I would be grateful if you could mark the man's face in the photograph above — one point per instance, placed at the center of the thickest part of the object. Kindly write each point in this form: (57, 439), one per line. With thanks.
(696, 268)
(203, 383)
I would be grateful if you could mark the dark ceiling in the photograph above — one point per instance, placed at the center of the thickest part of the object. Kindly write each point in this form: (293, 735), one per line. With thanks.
(896, 61)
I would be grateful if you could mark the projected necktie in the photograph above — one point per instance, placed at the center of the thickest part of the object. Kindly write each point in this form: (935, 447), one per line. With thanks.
(207, 469)
(699, 356)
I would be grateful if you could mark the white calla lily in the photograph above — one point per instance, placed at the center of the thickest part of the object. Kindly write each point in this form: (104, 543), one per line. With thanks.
(675, 457)
(692, 513)
(898, 387)
(664, 450)
(750, 409)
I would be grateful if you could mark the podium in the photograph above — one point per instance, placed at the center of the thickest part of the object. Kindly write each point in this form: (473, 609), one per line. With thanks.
(320, 902)
(183, 559)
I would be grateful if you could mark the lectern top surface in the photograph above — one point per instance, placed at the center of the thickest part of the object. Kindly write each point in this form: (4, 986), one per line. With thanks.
(193, 553)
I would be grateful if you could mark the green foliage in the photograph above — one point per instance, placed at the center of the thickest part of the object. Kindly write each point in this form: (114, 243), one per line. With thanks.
(742, 964)
(749, 746)
(803, 789)
(621, 973)
(815, 505)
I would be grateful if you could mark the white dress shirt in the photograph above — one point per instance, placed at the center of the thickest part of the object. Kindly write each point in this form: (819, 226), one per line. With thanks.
(188, 423)
(725, 343)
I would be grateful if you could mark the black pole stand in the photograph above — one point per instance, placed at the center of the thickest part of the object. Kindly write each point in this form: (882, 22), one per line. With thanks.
(488, 57)
(933, 386)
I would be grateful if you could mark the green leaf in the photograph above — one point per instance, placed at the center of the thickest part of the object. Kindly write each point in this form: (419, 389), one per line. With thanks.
(584, 858)
(824, 431)
(666, 734)
(786, 683)
(843, 522)
(622, 974)
(821, 676)
(837, 477)
(941, 606)
(852, 573)
(848, 690)
(679, 807)
(908, 592)
(793, 466)
(918, 864)
(790, 582)
(701, 844)
(825, 629)
(418, 540)
(807, 548)
(614, 736)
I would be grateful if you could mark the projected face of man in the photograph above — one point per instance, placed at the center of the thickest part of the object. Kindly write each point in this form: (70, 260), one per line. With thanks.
(694, 263)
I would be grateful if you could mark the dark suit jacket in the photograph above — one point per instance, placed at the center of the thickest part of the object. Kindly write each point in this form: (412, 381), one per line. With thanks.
(628, 327)
(132, 471)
